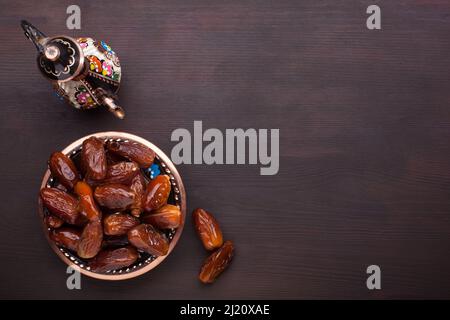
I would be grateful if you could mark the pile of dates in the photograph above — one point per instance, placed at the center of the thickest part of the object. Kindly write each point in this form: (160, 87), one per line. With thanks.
(104, 209)
(212, 239)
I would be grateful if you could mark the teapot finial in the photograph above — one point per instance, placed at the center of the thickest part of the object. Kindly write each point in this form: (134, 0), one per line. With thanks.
(52, 53)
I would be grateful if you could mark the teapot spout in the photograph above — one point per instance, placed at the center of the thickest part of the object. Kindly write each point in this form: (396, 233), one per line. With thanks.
(107, 100)
(35, 36)
(114, 108)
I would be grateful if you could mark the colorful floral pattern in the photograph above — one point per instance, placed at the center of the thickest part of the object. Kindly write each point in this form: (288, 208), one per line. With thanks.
(101, 67)
(84, 98)
(107, 69)
(106, 47)
(83, 42)
(95, 64)
(109, 53)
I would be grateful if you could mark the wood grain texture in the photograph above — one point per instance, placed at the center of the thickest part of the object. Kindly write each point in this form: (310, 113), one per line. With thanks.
(364, 124)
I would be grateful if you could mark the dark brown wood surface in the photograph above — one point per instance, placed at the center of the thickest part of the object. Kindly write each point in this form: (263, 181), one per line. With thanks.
(364, 123)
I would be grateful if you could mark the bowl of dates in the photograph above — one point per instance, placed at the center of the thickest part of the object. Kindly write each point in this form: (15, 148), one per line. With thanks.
(112, 205)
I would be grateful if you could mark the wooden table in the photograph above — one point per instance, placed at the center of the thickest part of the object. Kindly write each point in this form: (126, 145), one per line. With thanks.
(364, 123)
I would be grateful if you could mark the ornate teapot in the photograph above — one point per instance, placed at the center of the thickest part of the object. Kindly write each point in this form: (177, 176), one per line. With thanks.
(85, 72)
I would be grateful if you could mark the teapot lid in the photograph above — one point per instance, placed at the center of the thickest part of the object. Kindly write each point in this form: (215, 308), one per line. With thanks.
(61, 59)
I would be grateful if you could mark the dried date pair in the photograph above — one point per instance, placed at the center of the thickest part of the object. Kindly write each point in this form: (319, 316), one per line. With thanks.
(211, 236)
(67, 208)
(86, 243)
(94, 160)
(153, 200)
(104, 260)
(122, 172)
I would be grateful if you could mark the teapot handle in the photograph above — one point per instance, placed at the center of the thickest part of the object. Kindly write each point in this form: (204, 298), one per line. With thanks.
(35, 36)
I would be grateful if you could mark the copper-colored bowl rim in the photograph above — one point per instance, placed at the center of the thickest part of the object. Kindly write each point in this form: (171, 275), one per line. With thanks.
(170, 169)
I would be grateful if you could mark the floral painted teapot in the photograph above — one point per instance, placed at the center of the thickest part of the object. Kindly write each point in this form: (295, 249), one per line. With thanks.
(85, 72)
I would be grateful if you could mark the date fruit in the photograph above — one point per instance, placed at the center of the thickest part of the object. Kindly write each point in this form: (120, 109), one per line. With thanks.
(114, 196)
(63, 169)
(122, 172)
(86, 205)
(66, 237)
(216, 263)
(93, 159)
(119, 224)
(157, 193)
(53, 221)
(146, 238)
(166, 217)
(208, 229)
(112, 259)
(61, 204)
(138, 186)
(133, 151)
(91, 240)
